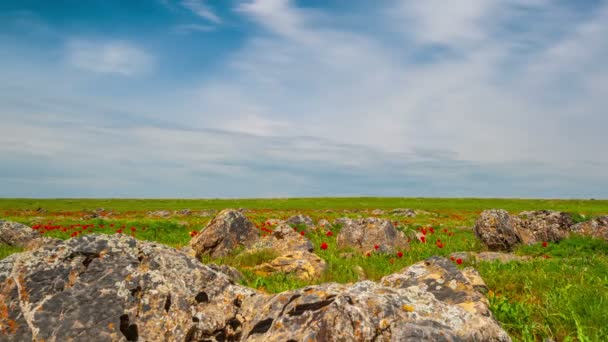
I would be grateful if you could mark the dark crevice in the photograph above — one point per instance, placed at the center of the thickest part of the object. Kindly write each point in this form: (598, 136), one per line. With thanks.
(261, 327)
(128, 330)
(202, 297)
(135, 292)
(294, 297)
(234, 323)
(300, 309)
(168, 303)
(237, 302)
(349, 300)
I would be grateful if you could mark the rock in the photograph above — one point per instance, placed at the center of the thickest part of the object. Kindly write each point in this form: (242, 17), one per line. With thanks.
(160, 213)
(342, 221)
(183, 212)
(324, 224)
(488, 257)
(377, 212)
(115, 288)
(227, 231)
(597, 228)
(496, 229)
(475, 280)
(404, 212)
(302, 264)
(231, 272)
(283, 240)
(16, 234)
(428, 301)
(42, 242)
(274, 222)
(205, 213)
(298, 220)
(543, 225)
(364, 234)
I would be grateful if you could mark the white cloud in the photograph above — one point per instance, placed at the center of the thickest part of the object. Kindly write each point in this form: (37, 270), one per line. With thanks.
(190, 28)
(200, 8)
(118, 57)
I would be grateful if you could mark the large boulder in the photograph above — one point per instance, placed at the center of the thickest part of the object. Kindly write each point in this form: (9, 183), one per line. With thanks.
(16, 234)
(543, 225)
(115, 288)
(597, 228)
(365, 234)
(496, 229)
(283, 239)
(227, 231)
(428, 301)
(502, 232)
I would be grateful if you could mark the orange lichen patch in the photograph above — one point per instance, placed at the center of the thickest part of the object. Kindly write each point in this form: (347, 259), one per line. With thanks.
(3, 308)
(408, 308)
(469, 307)
(9, 328)
(22, 291)
(111, 326)
(72, 277)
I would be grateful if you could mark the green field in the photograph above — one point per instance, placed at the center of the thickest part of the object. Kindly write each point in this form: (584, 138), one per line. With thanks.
(561, 294)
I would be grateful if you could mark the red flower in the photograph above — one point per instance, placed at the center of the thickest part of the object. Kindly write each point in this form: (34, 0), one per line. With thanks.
(302, 233)
(376, 247)
(422, 239)
(324, 246)
(545, 243)
(368, 254)
(459, 261)
(119, 231)
(399, 254)
(329, 233)
(432, 230)
(133, 229)
(452, 258)
(439, 245)
(193, 233)
(546, 256)
(74, 234)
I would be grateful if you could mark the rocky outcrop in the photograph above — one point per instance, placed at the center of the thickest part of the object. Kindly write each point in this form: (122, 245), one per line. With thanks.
(283, 239)
(159, 213)
(377, 212)
(302, 264)
(496, 229)
(227, 231)
(428, 301)
(116, 288)
(365, 234)
(597, 228)
(16, 234)
(404, 212)
(300, 220)
(502, 232)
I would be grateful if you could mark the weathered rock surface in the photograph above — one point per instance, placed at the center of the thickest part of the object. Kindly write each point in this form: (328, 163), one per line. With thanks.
(283, 240)
(488, 256)
(377, 212)
(228, 230)
(597, 228)
(502, 232)
(16, 234)
(115, 288)
(159, 213)
(404, 212)
(300, 220)
(364, 234)
(323, 224)
(496, 229)
(302, 264)
(428, 301)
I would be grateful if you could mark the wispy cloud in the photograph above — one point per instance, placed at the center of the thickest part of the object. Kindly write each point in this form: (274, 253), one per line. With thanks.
(200, 8)
(118, 57)
(190, 28)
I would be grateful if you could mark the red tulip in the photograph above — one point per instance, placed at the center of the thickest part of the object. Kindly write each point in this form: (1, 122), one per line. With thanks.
(459, 261)
(324, 246)
(302, 233)
(399, 254)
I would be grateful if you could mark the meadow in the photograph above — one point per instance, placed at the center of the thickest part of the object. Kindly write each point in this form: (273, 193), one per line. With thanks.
(561, 293)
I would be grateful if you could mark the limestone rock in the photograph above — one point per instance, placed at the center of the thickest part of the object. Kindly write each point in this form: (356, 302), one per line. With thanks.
(496, 229)
(597, 228)
(299, 219)
(364, 234)
(302, 264)
(377, 212)
(543, 225)
(404, 212)
(283, 240)
(115, 288)
(231, 272)
(228, 230)
(428, 301)
(183, 212)
(159, 213)
(16, 234)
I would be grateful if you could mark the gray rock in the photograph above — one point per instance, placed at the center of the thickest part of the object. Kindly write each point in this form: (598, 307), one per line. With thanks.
(597, 228)
(16, 234)
(160, 213)
(283, 240)
(227, 231)
(365, 234)
(496, 229)
(488, 257)
(404, 212)
(300, 220)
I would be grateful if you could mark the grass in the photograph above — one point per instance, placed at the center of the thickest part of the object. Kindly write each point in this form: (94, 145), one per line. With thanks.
(561, 294)
(8, 250)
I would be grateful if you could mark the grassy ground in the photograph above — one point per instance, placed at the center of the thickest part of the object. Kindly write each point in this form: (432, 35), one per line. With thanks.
(562, 293)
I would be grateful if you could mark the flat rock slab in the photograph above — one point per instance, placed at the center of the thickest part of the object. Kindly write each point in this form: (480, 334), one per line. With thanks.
(16, 234)
(489, 256)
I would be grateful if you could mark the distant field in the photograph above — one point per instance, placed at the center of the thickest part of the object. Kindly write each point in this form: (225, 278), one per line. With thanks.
(468, 204)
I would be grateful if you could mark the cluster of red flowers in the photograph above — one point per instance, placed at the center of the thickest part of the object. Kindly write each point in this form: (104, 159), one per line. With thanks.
(458, 261)
(80, 228)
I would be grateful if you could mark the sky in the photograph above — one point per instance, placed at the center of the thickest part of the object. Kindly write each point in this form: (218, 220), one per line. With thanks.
(295, 98)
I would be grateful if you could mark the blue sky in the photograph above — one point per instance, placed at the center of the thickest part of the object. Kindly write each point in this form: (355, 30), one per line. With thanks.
(280, 98)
